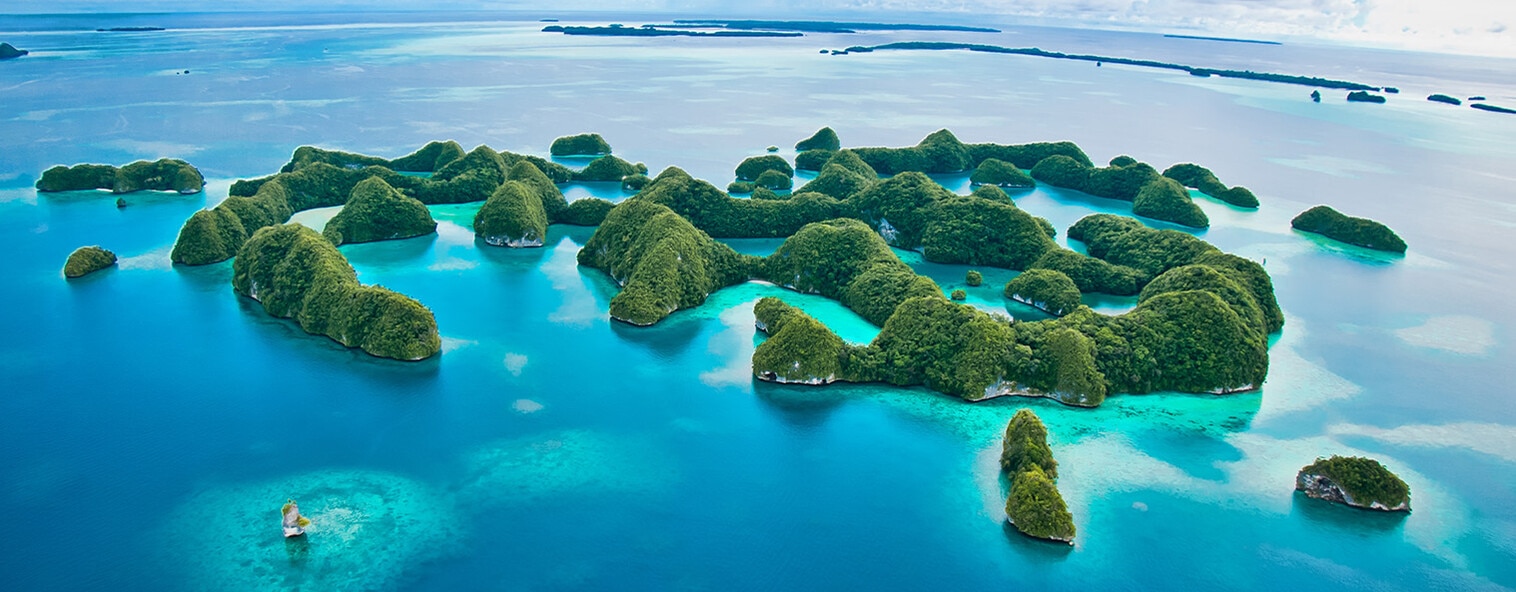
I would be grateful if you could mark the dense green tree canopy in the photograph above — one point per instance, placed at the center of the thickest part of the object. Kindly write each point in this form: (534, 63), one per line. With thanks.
(580, 145)
(297, 274)
(1199, 177)
(754, 166)
(1365, 479)
(1165, 199)
(993, 171)
(86, 260)
(799, 348)
(1047, 289)
(1037, 509)
(1363, 232)
(376, 211)
(512, 217)
(166, 174)
(823, 139)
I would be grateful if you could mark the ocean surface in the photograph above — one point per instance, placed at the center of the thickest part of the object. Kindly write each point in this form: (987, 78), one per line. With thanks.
(152, 421)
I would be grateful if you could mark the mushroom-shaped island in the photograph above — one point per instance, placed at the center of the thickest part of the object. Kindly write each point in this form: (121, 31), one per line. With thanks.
(580, 145)
(1355, 481)
(165, 174)
(86, 260)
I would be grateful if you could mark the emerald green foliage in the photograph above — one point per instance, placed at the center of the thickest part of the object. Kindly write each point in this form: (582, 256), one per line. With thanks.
(1199, 177)
(295, 273)
(1025, 445)
(1046, 289)
(430, 158)
(216, 234)
(608, 169)
(977, 231)
(554, 171)
(1091, 274)
(773, 180)
(948, 347)
(1037, 509)
(1026, 156)
(1364, 479)
(766, 193)
(1251, 276)
(973, 277)
(86, 260)
(662, 262)
(635, 182)
(721, 215)
(580, 145)
(512, 217)
(1078, 379)
(81, 177)
(1363, 232)
(739, 187)
(898, 206)
(308, 155)
(939, 152)
(471, 178)
(843, 175)
(995, 194)
(589, 211)
(1166, 199)
(883, 285)
(959, 295)
(1125, 241)
(754, 166)
(825, 257)
(1209, 279)
(554, 205)
(823, 139)
(165, 174)
(994, 171)
(799, 348)
(812, 160)
(1199, 344)
(376, 211)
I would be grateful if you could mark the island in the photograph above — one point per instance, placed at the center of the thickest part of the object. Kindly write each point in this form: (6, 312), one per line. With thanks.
(1034, 506)
(1048, 290)
(608, 169)
(773, 180)
(297, 274)
(1442, 98)
(1492, 108)
(654, 31)
(1033, 51)
(580, 145)
(1359, 96)
(87, 260)
(376, 211)
(824, 139)
(825, 26)
(1198, 177)
(959, 295)
(294, 524)
(167, 174)
(1330, 223)
(1354, 481)
(754, 166)
(1152, 195)
(973, 277)
(993, 171)
(8, 51)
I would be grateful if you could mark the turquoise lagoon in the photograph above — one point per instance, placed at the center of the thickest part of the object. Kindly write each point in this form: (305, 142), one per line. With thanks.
(152, 421)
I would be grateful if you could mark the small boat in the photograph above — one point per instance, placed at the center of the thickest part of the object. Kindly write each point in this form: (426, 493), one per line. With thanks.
(294, 523)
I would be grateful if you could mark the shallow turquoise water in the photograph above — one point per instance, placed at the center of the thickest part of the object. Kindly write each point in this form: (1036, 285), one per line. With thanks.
(152, 421)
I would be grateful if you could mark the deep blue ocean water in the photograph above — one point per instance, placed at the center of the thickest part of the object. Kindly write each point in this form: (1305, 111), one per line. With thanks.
(151, 421)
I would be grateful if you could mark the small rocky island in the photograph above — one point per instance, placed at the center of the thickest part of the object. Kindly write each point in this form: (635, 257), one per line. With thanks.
(166, 174)
(1330, 223)
(1034, 506)
(1355, 481)
(580, 145)
(86, 260)
(999, 173)
(8, 51)
(1363, 96)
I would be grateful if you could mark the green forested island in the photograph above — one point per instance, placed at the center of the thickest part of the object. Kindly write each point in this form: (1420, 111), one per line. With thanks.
(297, 274)
(1200, 324)
(1363, 96)
(1354, 481)
(86, 260)
(375, 211)
(1363, 232)
(165, 174)
(1195, 176)
(580, 145)
(1034, 506)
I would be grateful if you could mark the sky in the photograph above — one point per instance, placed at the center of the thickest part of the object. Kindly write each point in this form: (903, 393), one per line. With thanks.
(1462, 26)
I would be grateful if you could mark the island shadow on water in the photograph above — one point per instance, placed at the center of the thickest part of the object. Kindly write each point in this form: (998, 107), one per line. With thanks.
(1034, 549)
(328, 353)
(1356, 521)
